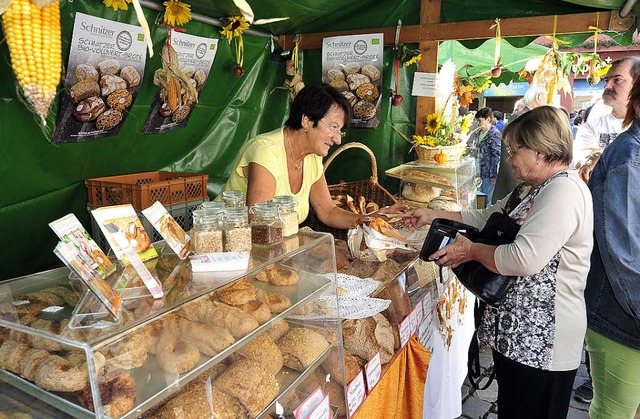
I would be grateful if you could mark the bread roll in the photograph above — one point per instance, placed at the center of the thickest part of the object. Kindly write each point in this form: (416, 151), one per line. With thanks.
(109, 66)
(209, 339)
(236, 321)
(301, 347)
(130, 75)
(371, 71)
(444, 203)
(264, 351)
(356, 80)
(333, 365)
(258, 310)
(252, 384)
(84, 90)
(237, 293)
(278, 329)
(86, 72)
(89, 109)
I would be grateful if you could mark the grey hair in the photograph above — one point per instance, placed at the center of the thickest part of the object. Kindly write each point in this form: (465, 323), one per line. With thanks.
(532, 92)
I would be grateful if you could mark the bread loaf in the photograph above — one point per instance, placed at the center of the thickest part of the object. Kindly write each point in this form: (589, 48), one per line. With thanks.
(109, 119)
(426, 176)
(188, 70)
(264, 351)
(301, 347)
(130, 75)
(209, 339)
(368, 336)
(278, 329)
(419, 192)
(334, 74)
(351, 68)
(356, 80)
(444, 203)
(236, 321)
(258, 310)
(110, 66)
(84, 90)
(200, 77)
(371, 71)
(86, 72)
(237, 293)
(89, 109)
(340, 84)
(120, 99)
(333, 365)
(252, 384)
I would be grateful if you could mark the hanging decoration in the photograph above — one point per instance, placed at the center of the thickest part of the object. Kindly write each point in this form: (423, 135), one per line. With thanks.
(124, 5)
(293, 69)
(117, 4)
(597, 68)
(176, 13)
(34, 39)
(496, 71)
(405, 56)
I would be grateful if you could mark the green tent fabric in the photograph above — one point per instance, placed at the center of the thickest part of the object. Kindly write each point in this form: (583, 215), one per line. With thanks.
(42, 181)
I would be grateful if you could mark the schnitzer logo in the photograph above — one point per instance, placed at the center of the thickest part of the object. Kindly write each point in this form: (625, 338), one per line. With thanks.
(360, 47)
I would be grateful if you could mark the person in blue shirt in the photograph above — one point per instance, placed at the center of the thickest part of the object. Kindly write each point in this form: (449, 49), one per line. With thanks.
(487, 141)
(499, 118)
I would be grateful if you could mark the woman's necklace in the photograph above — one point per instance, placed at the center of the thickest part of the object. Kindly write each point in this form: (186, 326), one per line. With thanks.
(297, 165)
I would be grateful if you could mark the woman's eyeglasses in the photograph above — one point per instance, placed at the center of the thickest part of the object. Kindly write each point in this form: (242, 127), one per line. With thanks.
(512, 151)
(334, 130)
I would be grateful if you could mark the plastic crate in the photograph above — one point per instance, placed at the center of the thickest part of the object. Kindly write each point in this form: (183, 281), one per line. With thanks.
(183, 214)
(143, 189)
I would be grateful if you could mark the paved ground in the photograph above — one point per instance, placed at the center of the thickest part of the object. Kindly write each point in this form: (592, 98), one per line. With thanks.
(482, 404)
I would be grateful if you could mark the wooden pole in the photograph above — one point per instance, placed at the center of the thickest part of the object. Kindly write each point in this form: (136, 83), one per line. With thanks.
(429, 14)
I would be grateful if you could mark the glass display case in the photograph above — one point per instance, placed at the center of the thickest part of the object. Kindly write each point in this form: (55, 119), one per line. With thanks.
(450, 186)
(228, 344)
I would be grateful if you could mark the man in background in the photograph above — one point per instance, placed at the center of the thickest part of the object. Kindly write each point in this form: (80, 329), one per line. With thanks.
(535, 96)
(499, 120)
(598, 132)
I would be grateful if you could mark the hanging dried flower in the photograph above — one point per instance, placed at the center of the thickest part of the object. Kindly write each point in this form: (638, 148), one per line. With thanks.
(117, 4)
(176, 13)
(235, 27)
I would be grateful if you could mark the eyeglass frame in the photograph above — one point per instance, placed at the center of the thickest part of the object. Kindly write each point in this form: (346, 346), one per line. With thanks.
(334, 131)
(511, 152)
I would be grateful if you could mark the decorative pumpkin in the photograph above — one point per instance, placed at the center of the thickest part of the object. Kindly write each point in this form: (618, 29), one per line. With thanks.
(441, 158)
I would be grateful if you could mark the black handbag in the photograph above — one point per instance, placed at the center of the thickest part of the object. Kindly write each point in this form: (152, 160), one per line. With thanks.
(500, 229)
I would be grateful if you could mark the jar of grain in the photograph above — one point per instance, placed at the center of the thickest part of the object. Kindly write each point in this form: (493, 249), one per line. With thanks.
(266, 226)
(207, 234)
(287, 207)
(237, 233)
(207, 205)
(234, 199)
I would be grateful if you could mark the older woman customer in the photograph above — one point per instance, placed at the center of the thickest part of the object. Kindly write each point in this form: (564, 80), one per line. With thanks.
(613, 284)
(487, 140)
(541, 322)
(288, 160)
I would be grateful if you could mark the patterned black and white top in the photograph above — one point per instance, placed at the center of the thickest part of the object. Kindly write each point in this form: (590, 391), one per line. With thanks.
(542, 320)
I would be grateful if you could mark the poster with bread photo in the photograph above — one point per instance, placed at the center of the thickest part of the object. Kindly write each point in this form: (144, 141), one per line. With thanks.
(353, 65)
(186, 63)
(104, 72)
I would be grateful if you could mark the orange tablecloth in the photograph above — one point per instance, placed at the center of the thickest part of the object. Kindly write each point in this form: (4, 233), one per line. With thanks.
(400, 392)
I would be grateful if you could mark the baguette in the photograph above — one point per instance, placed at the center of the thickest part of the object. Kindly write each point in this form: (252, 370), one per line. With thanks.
(426, 176)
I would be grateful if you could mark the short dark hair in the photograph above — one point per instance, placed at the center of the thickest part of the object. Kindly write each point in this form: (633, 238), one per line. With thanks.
(315, 100)
(577, 120)
(498, 115)
(485, 112)
(634, 101)
(635, 64)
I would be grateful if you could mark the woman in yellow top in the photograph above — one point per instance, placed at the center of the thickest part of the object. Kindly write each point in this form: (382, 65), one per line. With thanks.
(288, 160)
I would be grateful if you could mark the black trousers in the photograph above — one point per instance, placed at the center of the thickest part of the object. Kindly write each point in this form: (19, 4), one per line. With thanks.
(530, 393)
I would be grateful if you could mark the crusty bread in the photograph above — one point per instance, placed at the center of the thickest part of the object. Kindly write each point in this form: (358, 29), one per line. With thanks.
(278, 329)
(236, 321)
(426, 176)
(419, 192)
(301, 347)
(258, 310)
(251, 383)
(368, 336)
(444, 203)
(334, 366)
(209, 339)
(264, 351)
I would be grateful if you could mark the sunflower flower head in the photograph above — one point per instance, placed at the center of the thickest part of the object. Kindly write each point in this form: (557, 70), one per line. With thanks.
(117, 4)
(466, 123)
(433, 123)
(235, 27)
(176, 13)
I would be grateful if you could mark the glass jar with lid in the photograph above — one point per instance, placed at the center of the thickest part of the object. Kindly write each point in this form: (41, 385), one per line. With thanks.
(266, 226)
(207, 233)
(212, 205)
(234, 199)
(237, 233)
(287, 207)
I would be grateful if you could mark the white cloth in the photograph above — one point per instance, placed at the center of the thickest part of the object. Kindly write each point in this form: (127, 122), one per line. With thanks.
(595, 134)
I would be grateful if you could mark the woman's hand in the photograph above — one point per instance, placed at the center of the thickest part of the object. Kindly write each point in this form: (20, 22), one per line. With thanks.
(393, 210)
(417, 218)
(452, 255)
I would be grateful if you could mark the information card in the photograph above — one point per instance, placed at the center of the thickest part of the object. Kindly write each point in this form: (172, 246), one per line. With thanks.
(355, 393)
(373, 370)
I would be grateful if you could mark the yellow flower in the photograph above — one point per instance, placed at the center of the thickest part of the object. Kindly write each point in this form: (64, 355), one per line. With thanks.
(466, 124)
(603, 70)
(431, 142)
(176, 13)
(419, 139)
(433, 123)
(117, 4)
(235, 27)
(414, 59)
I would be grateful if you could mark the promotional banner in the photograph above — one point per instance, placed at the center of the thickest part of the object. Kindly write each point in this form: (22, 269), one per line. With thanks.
(192, 56)
(104, 72)
(353, 65)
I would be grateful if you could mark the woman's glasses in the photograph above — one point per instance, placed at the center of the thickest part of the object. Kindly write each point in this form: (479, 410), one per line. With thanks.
(512, 151)
(334, 130)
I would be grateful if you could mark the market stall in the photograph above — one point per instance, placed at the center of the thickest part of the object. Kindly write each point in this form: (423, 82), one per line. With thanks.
(181, 98)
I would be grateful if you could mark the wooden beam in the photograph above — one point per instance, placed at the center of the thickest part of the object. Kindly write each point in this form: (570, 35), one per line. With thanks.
(479, 29)
(429, 14)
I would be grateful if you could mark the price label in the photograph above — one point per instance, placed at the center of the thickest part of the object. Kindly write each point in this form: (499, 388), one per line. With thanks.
(307, 407)
(413, 321)
(323, 411)
(373, 370)
(405, 331)
(355, 393)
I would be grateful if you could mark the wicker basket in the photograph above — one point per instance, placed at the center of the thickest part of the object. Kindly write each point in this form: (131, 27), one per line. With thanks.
(369, 188)
(427, 154)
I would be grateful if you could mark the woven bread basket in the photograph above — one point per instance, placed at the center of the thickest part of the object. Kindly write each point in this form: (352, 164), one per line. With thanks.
(427, 154)
(370, 189)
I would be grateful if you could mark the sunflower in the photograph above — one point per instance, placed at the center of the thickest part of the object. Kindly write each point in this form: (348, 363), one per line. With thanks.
(117, 4)
(466, 124)
(433, 123)
(235, 27)
(431, 142)
(412, 60)
(176, 13)
(419, 140)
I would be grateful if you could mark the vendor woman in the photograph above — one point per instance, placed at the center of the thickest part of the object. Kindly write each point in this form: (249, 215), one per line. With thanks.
(288, 160)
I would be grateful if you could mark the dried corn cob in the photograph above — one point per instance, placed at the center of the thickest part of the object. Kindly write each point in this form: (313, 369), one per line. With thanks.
(34, 40)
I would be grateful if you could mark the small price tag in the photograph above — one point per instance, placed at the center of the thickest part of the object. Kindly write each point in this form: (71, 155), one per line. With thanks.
(404, 329)
(323, 411)
(355, 393)
(307, 407)
(413, 320)
(373, 370)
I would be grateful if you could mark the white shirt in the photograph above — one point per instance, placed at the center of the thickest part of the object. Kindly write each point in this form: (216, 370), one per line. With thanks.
(595, 134)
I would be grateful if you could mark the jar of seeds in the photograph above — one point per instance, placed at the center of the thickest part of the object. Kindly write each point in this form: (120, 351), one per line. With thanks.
(234, 199)
(207, 234)
(266, 226)
(237, 233)
(287, 207)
